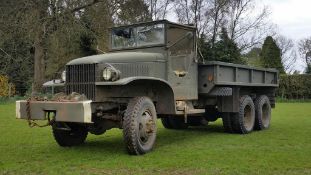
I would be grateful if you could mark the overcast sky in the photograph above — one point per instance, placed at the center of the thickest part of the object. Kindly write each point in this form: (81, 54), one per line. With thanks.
(293, 18)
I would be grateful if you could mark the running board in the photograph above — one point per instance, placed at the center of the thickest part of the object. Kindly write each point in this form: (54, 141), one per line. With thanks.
(191, 112)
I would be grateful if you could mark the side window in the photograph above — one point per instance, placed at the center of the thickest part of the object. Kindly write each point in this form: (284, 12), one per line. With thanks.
(183, 47)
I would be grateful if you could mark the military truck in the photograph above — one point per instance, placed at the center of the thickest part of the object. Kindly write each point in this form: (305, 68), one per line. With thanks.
(153, 70)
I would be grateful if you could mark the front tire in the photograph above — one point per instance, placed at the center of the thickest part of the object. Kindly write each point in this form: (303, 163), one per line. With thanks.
(69, 134)
(139, 126)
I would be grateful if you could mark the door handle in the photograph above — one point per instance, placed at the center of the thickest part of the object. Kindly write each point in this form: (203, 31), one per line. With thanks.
(180, 73)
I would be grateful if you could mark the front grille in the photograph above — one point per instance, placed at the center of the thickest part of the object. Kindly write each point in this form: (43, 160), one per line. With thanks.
(81, 79)
(131, 70)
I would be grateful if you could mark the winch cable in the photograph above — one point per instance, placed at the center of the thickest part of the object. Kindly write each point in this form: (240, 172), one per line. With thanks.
(31, 123)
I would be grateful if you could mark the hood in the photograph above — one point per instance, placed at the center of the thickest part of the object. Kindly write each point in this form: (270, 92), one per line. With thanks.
(120, 57)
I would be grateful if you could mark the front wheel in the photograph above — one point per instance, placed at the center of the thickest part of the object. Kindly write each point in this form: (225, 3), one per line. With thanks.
(139, 126)
(69, 134)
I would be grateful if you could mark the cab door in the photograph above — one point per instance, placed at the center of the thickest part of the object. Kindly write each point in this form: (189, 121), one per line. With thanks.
(182, 67)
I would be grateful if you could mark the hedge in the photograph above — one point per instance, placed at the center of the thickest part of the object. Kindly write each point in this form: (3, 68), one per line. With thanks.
(6, 88)
(291, 87)
(295, 87)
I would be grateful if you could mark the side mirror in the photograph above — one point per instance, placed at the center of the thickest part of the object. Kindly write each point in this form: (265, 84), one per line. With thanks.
(189, 35)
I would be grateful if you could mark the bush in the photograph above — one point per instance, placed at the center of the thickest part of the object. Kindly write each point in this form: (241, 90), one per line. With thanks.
(5, 100)
(6, 88)
(295, 87)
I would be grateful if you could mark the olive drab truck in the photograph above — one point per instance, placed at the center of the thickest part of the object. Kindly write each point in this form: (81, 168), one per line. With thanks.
(153, 71)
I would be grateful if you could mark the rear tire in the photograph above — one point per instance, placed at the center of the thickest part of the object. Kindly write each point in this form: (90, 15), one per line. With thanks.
(263, 112)
(212, 114)
(196, 121)
(227, 122)
(75, 135)
(139, 126)
(244, 121)
(166, 123)
(178, 123)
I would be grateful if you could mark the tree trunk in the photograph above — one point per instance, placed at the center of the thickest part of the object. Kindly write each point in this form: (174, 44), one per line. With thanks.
(39, 62)
(215, 27)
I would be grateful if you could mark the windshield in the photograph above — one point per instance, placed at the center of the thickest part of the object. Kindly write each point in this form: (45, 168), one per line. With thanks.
(137, 36)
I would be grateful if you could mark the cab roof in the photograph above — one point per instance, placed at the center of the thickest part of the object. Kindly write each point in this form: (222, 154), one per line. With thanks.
(155, 22)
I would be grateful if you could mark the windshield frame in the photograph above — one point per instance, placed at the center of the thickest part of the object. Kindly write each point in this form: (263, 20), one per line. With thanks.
(163, 22)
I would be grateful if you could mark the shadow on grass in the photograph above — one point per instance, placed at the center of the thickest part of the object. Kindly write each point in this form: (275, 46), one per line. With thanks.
(113, 144)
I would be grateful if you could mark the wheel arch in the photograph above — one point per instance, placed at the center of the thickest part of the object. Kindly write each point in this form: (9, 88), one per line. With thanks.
(159, 90)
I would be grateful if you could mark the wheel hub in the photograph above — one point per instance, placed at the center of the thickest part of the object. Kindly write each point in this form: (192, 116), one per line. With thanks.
(146, 126)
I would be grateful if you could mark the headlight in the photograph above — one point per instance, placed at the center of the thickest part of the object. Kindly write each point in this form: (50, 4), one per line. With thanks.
(107, 74)
(64, 75)
(111, 74)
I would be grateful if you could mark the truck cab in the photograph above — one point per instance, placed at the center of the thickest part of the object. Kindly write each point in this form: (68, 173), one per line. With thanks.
(152, 70)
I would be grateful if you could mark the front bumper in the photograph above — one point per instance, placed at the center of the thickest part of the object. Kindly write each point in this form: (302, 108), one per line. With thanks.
(79, 111)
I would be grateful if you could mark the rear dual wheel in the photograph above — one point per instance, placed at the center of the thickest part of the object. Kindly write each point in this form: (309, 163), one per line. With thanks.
(177, 123)
(242, 122)
(250, 116)
(263, 113)
(227, 120)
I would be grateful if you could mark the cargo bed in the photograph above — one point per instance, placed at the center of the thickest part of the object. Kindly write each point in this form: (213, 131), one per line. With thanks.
(217, 74)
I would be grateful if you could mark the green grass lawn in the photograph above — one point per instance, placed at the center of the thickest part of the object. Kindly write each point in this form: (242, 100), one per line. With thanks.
(283, 149)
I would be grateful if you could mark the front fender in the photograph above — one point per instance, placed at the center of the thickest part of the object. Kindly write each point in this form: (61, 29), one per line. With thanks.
(159, 90)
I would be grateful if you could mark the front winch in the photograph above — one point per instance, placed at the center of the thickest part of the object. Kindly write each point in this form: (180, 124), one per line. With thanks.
(71, 108)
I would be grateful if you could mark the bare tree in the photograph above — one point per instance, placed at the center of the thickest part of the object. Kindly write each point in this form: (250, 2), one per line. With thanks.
(217, 14)
(245, 26)
(158, 8)
(288, 52)
(195, 12)
(182, 11)
(304, 46)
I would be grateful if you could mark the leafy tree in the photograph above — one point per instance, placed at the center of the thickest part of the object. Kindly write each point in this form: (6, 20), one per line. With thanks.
(271, 55)
(53, 28)
(16, 48)
(133, 11)
(308, 69)
(253, 57)
(204, 47)
(224, 50)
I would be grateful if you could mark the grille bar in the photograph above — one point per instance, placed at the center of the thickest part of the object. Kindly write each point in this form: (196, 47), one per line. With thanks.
(81, 79)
